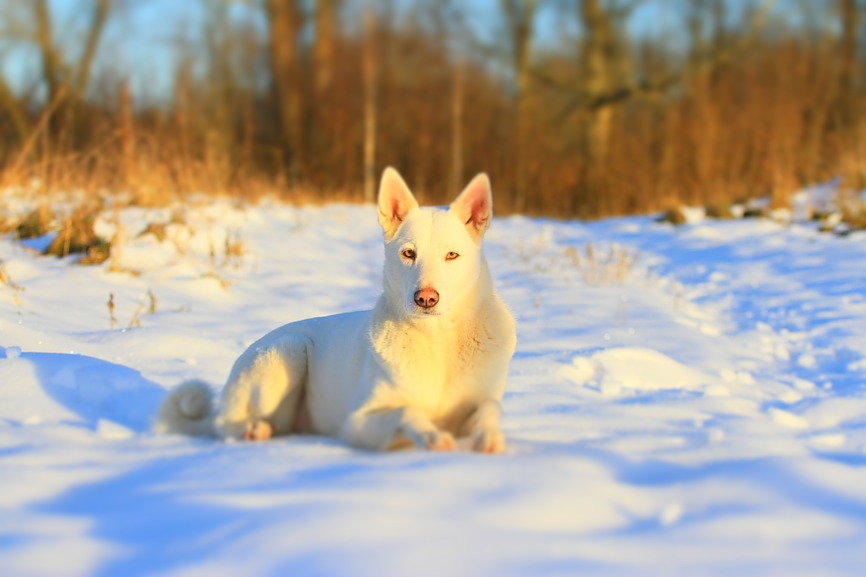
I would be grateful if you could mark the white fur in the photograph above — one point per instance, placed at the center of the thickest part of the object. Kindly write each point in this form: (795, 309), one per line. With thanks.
(384, 378)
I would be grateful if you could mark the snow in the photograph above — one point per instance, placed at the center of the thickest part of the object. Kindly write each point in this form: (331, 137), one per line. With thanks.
(683, 401)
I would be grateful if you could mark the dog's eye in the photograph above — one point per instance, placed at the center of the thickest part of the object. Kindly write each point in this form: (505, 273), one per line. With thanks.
(408, 254)
(451, 255)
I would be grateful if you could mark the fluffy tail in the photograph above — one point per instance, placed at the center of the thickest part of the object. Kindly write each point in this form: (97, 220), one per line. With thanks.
(188, 410)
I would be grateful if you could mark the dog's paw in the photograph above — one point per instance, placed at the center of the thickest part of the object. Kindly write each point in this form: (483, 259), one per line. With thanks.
(489, 442)
(258, 431)
(439, 441)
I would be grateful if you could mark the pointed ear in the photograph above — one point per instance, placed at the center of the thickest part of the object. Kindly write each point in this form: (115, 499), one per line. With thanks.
(395, 202)
(474, 206)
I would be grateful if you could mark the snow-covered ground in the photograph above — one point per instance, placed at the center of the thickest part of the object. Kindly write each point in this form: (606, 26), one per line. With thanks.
(684, 401)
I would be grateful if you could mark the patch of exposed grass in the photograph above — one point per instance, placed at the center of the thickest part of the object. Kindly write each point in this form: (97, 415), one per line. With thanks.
(602, 265)
(7, 281)
(37, 223)
(675, 216)
(720, 210)
(157, 229)
(77, 235)
(855, 217)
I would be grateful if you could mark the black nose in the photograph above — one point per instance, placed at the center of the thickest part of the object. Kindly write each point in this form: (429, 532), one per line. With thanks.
(426, 298)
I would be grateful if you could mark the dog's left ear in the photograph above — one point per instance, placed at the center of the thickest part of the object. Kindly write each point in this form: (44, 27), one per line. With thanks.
(474, 206)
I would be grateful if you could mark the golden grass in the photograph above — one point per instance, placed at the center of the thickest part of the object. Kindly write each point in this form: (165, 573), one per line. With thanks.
(76, 235)
(7, 281)
(37, 223)
(603, 265)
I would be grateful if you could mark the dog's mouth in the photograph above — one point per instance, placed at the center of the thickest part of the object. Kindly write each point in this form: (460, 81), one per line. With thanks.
(420, 312)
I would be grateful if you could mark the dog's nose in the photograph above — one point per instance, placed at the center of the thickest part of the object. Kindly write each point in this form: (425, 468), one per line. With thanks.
(426, 298)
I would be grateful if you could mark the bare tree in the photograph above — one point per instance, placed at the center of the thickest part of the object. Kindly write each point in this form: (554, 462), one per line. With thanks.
(457, 33)
(11, 25)
(630, 122)
(98, 19)
(52, 65)
(849, 16)
(323, 50)
(520, 18)
(321, 129)
(13, 108)
(370, 123)
(285, 20)
(606, 67)
(66, 81)
(458, 105)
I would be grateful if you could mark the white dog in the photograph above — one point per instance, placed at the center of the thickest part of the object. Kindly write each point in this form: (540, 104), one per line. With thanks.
(426, 365)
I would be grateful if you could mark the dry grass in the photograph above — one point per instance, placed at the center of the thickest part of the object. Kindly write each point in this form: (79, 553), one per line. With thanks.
(752, 123)
(17, 289)
(112, 308)
(234, 249)
(720, 210)
(148, 306)
(8, 222)
(603, 265)
(157, 229)
(7, 281)
(852, 207)
(152, 302)
(76, 235)
(37, 223)
(855, 217)
(675, 216)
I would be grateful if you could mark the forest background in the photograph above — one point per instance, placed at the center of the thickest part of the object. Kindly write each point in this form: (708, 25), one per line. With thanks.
(576, 108)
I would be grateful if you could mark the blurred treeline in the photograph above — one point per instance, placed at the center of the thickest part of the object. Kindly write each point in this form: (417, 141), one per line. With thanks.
(574, 107)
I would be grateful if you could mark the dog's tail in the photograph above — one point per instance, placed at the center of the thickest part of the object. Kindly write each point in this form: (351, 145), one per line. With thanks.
(188, 410)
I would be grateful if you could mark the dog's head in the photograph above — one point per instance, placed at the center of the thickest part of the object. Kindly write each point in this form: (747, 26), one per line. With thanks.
(433, 257)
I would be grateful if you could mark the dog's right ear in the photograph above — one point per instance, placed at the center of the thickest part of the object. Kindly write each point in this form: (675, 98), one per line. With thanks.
(395, 202)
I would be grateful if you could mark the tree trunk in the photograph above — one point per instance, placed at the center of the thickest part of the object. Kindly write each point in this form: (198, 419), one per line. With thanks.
(52, 65)
(101, 10)
(323, 50)
(285, 20)
(15, 110)
(323, 134)
(60, 84)
(369, 70)
(850, 25)
(521, 19)
(458, 96)
(598, 51)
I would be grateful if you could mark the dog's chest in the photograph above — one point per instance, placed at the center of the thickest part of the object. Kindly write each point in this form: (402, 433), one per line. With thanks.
(437, 367)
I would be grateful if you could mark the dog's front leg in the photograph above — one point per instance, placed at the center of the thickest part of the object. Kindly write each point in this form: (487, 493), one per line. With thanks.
(484, 429)
(384, 429)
